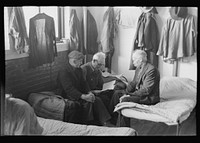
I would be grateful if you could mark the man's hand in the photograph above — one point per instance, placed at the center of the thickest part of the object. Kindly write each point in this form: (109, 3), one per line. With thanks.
(121, 98)
(96, 91)
(88, 97)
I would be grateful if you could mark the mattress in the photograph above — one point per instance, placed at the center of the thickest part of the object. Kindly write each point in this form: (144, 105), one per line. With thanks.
(58, 128)
(159, 113)
(178, 99)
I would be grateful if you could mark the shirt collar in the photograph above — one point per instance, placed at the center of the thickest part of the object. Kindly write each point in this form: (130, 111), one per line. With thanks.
(93, 69)
(141, 66)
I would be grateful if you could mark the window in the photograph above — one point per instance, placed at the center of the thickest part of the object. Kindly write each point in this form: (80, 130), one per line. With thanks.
(30, 11)
(6, 40)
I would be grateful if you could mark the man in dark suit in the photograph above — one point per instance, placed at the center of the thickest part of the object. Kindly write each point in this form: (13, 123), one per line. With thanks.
(74, 87)
(144, 88)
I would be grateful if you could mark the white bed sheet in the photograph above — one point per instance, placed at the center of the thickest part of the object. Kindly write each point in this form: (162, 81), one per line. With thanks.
(58, 128)
(178, 99)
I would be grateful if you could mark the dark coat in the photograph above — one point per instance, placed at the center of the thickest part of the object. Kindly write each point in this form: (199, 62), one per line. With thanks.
(146, 38)
(92, 76)
(42, 43)
(145, 85)
(92, 34)
(76, 39)
(71, 83)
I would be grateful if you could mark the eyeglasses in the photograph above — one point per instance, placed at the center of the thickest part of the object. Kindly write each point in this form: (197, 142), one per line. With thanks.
(99, 64)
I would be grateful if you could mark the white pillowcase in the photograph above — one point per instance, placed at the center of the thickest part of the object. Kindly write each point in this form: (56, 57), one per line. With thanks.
(177, 87)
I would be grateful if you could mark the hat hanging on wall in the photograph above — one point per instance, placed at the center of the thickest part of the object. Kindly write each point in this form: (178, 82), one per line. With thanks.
(178, 13)
(149, 9)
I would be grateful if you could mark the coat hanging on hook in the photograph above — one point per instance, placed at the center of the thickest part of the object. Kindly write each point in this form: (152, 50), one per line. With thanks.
(42, 40)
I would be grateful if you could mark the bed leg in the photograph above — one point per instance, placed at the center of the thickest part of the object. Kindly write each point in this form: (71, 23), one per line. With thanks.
(178, 129)
(119, 119)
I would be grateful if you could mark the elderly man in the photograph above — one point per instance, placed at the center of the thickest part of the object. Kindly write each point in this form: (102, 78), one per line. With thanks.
(92, 71)
(144, 88)
(74, 87)
(93, 75)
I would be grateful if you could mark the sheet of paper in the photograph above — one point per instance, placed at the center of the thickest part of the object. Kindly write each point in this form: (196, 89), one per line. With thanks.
(107, 74)
(108, 85)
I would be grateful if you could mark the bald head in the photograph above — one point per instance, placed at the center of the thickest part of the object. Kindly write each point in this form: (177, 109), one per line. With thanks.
(139, 57)
(98, 60)
(100, 57)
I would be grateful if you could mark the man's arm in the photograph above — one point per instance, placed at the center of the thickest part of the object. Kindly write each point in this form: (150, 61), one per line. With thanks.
(84, 70)
(100, 81)
(148, 84)
(67, 85)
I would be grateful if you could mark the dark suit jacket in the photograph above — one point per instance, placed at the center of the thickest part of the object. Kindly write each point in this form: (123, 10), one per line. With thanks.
(71, 84)
(145, 85)
(92, 76)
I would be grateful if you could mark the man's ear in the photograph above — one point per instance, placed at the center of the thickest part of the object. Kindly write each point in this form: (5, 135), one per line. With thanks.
(140, 60)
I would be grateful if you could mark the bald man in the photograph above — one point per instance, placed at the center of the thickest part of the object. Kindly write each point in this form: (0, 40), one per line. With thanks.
(144, 88)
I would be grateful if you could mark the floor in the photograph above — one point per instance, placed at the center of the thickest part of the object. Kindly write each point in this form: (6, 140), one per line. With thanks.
(148, 128)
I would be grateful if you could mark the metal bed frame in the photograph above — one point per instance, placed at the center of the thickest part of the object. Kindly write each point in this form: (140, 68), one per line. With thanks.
(119, 123)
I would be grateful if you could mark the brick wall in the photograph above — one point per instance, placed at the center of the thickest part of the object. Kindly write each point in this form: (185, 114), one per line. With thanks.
(21, 81)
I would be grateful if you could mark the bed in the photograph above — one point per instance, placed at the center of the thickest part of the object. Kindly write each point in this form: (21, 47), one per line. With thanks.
(20, 119)
(178, 99)
(56, 127)
(48, 104)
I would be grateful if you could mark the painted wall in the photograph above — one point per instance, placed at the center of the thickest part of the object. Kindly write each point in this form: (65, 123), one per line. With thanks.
(20, 81)
(188, 69)
(123, 43)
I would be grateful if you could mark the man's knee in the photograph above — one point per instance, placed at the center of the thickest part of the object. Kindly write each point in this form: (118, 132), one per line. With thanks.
(73, 105)
(130, 99)
(119, 93)
(97, 99)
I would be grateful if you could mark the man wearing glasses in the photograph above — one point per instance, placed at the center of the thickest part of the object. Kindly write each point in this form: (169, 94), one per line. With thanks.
(74, 87)
(92, 72)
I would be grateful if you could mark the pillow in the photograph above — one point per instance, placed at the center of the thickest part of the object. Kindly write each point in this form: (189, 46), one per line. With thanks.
(20, 118)
(177, 87)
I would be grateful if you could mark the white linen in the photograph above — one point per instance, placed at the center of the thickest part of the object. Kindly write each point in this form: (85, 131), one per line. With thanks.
(55, 127)
(108, 85)
(178, 99)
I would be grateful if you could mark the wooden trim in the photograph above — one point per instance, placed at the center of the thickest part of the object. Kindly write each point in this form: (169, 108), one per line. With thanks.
(2, 100)
(59, 24)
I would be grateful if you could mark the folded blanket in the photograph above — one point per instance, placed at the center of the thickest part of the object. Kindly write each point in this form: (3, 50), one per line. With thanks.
(47, 105)
(20, 118)
(171, 110)
(178, 99)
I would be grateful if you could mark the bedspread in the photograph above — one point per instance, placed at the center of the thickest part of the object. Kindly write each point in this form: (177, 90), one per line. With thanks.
(171, 110)
(178, 99)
